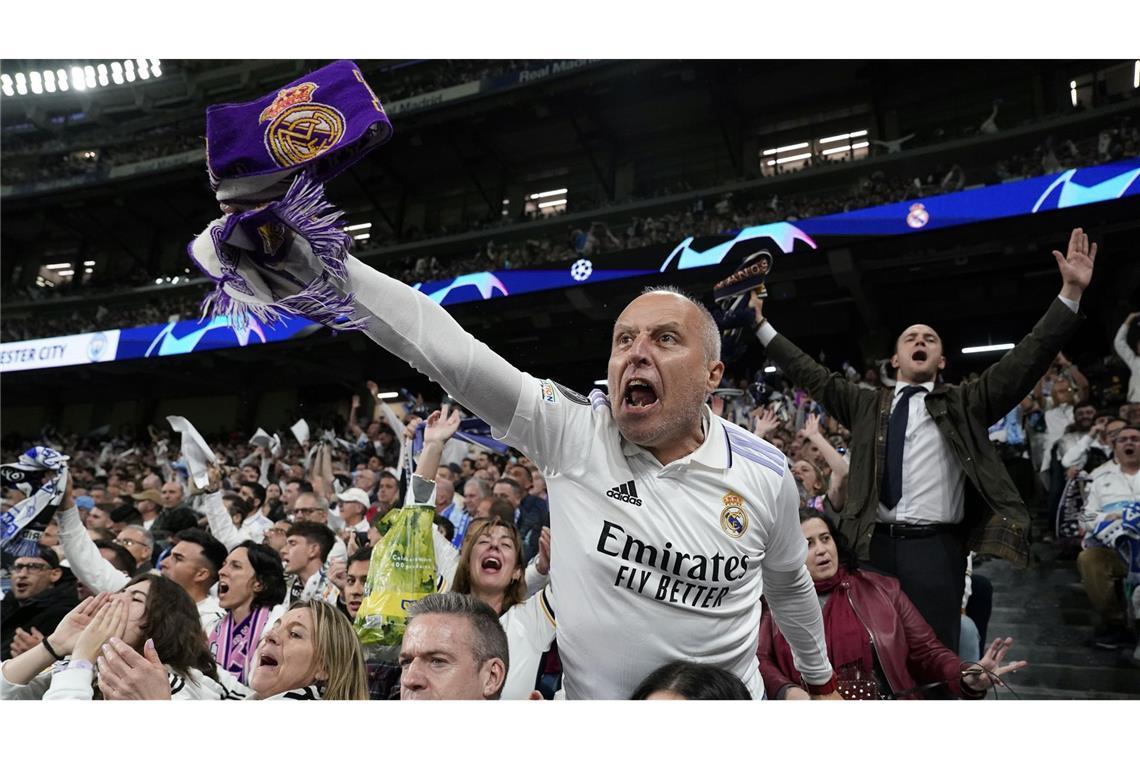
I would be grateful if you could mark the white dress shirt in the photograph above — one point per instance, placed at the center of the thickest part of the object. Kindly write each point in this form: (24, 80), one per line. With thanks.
(932, 480)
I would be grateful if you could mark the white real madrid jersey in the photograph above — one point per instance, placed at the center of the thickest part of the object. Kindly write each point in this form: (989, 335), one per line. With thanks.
(650, 563)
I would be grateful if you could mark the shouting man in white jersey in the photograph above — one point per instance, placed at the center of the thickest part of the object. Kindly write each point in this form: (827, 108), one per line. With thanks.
(670, 521)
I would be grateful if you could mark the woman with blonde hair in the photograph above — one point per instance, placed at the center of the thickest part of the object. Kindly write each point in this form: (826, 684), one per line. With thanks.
(311, 652)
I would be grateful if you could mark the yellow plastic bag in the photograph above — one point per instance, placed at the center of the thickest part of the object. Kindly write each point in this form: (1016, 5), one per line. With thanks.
(401, 572)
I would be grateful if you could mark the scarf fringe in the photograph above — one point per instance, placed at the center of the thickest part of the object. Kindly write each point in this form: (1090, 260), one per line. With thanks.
(305, 209)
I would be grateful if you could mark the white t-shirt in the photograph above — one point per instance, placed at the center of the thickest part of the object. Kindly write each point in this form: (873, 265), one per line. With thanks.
(655, 564)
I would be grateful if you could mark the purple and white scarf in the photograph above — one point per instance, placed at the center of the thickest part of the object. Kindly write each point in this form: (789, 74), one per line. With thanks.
(234, 643)
(281, 247)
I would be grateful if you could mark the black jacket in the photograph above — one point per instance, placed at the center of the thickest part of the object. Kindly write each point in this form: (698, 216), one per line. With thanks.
(42, 612)
(534, 514)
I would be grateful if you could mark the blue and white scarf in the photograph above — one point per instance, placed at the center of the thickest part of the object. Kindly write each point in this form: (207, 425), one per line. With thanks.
(1124, 536)
(22, 525)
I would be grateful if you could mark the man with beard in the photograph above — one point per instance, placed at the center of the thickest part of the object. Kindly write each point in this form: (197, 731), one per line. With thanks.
(925, 484)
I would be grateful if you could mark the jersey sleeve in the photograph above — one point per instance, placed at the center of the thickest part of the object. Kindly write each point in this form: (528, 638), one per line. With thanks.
(786, 548)
(551, 423)
(86, 562)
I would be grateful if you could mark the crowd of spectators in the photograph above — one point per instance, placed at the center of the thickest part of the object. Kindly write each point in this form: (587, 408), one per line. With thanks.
(304, 513)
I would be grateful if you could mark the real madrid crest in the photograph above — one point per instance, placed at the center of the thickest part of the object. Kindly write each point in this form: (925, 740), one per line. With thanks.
(733, 518)
(299, 129)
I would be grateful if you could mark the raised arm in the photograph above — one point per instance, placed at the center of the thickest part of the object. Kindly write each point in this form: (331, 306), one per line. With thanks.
(86, 562)
(1004, 384)
(837, 394)
(419, 331)
(1120, 343)
(837, 488)
(221, 526)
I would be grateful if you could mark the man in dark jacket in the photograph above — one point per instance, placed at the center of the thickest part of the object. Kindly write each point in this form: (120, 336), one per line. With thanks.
(531, 514)
(925, 484)
(39, 599)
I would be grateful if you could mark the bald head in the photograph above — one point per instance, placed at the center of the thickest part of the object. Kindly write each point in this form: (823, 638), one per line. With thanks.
(709, 333)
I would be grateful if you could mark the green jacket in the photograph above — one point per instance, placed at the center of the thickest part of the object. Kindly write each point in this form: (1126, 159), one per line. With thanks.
(996, 521)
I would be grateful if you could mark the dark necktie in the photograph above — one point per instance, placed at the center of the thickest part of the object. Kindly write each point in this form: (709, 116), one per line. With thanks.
(896, 437)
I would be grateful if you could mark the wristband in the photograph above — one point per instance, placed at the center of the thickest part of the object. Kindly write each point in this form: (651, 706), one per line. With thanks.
(50, 651)
(81, 665)
(823, 688)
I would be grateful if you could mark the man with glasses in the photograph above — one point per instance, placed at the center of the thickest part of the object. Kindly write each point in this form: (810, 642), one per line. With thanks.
(1115, 487)
(140, 543)
(307, 509)
(38, 601)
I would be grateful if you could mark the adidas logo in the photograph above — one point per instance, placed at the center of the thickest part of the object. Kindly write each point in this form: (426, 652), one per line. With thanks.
(626, 492)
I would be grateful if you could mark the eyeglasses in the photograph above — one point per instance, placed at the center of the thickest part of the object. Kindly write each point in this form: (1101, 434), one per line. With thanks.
(275, 531)
(30, 567)
(307, 510)
(1129, 439)
(127, 543)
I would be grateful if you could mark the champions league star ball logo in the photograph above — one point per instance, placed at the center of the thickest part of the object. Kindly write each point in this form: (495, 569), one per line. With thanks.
(733, 518)
(581, 270)
(300, 130)
(917, 217)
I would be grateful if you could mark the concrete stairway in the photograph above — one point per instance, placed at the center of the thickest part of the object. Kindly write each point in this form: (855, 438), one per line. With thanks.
(1049, 617)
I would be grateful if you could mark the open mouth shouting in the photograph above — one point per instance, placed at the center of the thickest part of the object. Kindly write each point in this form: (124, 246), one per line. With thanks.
(919, 356)
(491, 564)
(639, 396)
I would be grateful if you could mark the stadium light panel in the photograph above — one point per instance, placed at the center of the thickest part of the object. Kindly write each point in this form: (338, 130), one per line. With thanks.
(88, 263)
(837, 138)
(1073, 92)
(769, 370)
(21, 84)
(129, 75)
(362, 236)
(36, 80)
(386, 395)
(66, 272)
(101, 70)
(77, 78)
(602, 383)
(550, 204)
(1136, 75)
(158, 281)
(859, 145)
(984, 349)
(5, 80)
(361, 226)
(52, 267)
(788, 159)
(61, 80)
(548, 194)
(89, 77)
(833, 151)
(49, 80)
(785, 149)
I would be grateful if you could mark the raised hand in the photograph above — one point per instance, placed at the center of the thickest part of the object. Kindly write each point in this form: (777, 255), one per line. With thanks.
(764, 421)
(63, 638)
(543, 563)
(338, 573)
(441, 425)
(757, 305)
(980, 680)
(126, 674)
(811, 425)
(1077, 266)
(373, 388)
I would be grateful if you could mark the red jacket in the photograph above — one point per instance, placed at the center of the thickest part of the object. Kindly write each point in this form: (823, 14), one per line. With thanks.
(908, 651)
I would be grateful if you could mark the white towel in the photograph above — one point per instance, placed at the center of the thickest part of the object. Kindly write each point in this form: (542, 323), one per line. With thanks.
(301, 431)
(194, 449)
